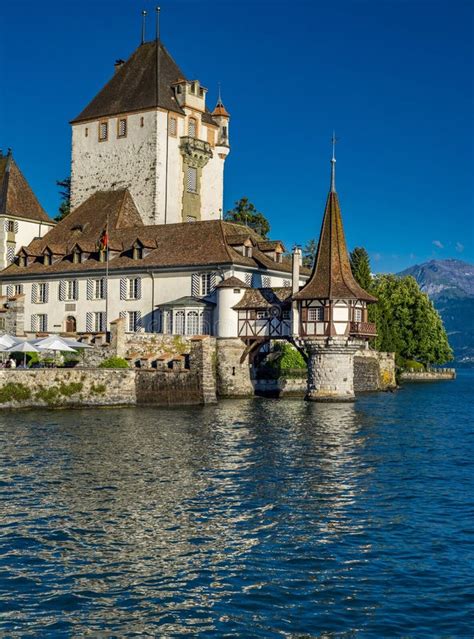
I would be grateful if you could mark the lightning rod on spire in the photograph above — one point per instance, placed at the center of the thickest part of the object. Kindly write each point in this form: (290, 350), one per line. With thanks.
(157, 9)
(333, 163)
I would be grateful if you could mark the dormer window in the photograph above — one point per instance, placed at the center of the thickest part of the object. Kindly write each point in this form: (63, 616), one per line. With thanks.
(137, 252)
(178, 89)
(192, 127)
(47, 259)
(248, 251)
(22, 261)
(193, 87)
(103, 131)
(76, 256)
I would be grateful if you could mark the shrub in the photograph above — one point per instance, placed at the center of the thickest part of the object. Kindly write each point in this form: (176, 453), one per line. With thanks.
(48, 395)
(14, 393)
(99, 389)
(70, 389)
(409, 364)
(114, 362)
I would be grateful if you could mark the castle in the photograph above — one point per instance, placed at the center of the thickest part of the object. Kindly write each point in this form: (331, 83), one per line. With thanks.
(145, 240)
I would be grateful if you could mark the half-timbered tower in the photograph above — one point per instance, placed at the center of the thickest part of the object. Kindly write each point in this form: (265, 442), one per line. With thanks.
(332, 310)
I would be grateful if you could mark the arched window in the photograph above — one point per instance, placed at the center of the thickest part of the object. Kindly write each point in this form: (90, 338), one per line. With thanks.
(192, 127)
(192, 324)
(179, 323)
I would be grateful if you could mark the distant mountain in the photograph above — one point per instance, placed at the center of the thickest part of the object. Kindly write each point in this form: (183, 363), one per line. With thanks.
(450, 284)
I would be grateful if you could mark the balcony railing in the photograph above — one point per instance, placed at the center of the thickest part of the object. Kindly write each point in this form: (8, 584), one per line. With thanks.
(194, 144)
(363, 329)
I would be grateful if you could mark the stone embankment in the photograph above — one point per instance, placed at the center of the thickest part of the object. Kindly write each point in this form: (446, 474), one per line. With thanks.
(428, 376)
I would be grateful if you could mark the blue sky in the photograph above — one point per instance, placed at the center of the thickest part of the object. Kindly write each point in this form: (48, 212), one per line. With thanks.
(394, 79)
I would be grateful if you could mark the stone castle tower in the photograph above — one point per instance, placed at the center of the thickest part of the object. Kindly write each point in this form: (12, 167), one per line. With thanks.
(149, 130)
(332, 310)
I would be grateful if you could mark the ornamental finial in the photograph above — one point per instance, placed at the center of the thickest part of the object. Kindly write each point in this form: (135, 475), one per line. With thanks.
(333, 163)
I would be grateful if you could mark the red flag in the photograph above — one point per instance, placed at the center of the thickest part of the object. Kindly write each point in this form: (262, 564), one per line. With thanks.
(104, 240)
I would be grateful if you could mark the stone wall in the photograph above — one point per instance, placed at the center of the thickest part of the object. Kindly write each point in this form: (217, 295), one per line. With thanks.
(66, 387)
(428, 376)
(374, 371)
(12, 311)
(233, 377)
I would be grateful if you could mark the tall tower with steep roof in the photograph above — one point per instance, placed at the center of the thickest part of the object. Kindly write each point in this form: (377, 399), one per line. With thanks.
(149, 130)
(332, 310)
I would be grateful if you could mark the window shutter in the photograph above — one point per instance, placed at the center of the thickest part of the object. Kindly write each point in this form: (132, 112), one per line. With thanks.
(104, 288)
(123, 288)
(5, 224)
(45, 324)
(139, 288)
(89, 288)
(10, 290)
(192, 179)
(75, 289)
(46, 293)
(62, 290)
(89, 322)
(326, 313)
(34, 293)
(213, 282)
(15, 226)
(267, 282)
(34, 323)
(123, 314)
(248, 279)
(195, 285)
(138, 324)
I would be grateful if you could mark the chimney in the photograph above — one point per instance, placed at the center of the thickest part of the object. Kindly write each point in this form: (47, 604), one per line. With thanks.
(118, 64)
(297, 260)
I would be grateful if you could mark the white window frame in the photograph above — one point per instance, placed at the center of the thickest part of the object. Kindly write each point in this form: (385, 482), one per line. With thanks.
(42, 323)
(316, 314)
(98, 289)
(357, 314)
(98, 322)
(42, 293)
(103, 132)
(205, 284)
(122, 128)
(69, 290)
(132, 321)
(132, 288)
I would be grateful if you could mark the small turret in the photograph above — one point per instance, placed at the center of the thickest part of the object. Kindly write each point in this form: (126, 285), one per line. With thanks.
(222, 117)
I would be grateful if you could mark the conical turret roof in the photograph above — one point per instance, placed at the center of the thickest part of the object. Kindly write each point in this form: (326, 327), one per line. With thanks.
(332, 275)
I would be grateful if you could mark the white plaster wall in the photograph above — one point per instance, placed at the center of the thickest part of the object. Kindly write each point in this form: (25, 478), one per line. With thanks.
(212, 185)
(27, 231)
(340, 314)
(175, 176)
(117, 163)
(226, 319)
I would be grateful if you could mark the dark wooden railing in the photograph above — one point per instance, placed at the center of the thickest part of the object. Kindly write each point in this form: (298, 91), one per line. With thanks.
(364, 329)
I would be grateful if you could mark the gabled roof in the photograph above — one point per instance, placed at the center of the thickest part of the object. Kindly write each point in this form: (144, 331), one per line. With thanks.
(16, 196)
(188, 300)
(265, 298)
(197, 244)
(137, 85)
(232, 282)
(332, 276)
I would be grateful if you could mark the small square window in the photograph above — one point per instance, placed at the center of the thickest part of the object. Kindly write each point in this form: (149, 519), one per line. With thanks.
(103, 131)
(122, 128)
(316, 314)
(10, 226)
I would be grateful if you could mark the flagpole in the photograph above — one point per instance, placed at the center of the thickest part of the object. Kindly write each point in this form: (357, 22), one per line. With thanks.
(107, 331)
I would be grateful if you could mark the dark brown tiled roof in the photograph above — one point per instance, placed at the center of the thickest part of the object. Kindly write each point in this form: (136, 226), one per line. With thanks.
(332, 276)
(265, 298)
(137, 86)
(170, 245)
(16, 195)
(232, 282)
(270, 245)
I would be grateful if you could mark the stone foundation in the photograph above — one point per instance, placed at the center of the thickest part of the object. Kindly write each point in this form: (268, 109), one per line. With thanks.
(331, 369)
(374, 371)
(233, 378)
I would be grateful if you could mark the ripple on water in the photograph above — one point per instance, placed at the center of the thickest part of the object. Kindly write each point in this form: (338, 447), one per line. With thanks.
(252, 518)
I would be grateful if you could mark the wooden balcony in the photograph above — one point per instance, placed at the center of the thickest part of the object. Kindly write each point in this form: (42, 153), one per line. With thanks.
(363, 329)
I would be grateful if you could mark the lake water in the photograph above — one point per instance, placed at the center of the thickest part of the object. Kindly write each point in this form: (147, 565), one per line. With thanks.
(258, 518)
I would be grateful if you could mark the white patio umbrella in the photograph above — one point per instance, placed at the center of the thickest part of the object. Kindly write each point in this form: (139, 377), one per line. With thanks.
(53, 343)
(22, 347)
(8, 340)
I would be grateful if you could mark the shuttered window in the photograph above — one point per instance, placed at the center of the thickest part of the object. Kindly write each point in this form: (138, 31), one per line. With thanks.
(192, 127)
(42, 323)
(191, 179)
(134, 291)
(42, 294)
(71, 290)
(266, 282)
(133, 321)
(103, 131)
(122, 128)
(10, 254)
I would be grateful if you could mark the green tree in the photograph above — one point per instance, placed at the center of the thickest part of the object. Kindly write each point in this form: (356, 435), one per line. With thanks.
(309, 253)
(407, 321)
(65, 193)
(360, 266)
(244, 212)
